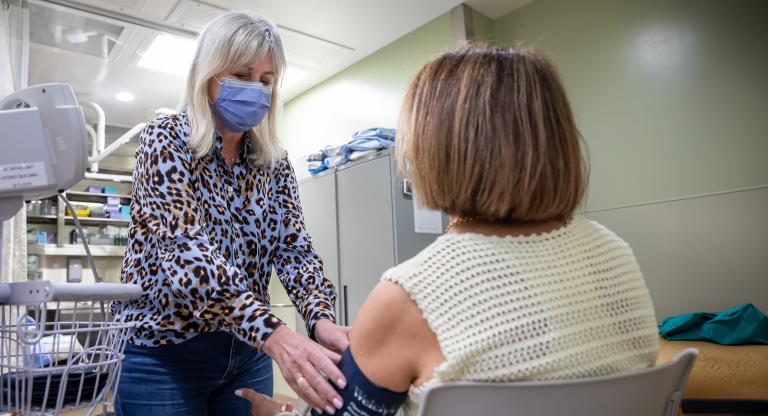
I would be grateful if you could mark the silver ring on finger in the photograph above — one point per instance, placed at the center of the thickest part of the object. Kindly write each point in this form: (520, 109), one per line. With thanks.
(301, 380)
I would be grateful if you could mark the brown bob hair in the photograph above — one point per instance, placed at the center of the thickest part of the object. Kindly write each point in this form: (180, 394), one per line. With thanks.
(488, 133)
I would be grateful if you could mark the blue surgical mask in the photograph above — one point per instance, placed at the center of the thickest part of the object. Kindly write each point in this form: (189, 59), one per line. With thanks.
(242, 105)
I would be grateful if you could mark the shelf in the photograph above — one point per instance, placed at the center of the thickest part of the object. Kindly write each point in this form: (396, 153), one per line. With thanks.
(41, 219)
(75, 250)
(75, 196)
(51, 219)
(63, 221)
(97, 221)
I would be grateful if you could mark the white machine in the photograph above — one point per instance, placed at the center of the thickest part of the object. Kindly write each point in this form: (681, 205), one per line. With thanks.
(42, 137)
(59, 347)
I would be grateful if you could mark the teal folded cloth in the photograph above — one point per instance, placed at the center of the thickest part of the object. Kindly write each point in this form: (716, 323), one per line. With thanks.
(744, 324)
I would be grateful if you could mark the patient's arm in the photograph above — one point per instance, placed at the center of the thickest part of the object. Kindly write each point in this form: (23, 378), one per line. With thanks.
(392, 341)
(390, 348)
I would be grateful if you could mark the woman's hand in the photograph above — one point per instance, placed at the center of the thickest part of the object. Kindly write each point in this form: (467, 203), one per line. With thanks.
(332, 336)
(306, 366)
(262, 405)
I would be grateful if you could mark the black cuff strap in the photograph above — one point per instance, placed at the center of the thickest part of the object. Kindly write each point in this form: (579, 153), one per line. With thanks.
(363, 398)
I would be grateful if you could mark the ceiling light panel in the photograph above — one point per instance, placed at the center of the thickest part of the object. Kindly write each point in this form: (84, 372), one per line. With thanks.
(169, 53)
(59, 29)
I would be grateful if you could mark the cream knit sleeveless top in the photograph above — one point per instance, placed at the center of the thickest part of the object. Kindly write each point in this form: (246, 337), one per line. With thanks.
(570, 303)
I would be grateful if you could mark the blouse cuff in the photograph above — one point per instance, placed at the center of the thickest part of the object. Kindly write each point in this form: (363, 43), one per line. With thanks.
(319, 308)
(271, 323)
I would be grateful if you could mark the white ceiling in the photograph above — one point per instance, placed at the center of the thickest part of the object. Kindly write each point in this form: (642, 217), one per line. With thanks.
(362, 26)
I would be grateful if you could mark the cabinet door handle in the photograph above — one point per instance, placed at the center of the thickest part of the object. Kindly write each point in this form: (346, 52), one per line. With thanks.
(346, 311)
(407, 189)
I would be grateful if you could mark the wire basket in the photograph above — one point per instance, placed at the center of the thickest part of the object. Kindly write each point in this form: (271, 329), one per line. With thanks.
(60, 347)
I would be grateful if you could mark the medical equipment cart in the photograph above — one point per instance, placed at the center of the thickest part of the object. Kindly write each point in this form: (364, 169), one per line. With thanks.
(60, 348)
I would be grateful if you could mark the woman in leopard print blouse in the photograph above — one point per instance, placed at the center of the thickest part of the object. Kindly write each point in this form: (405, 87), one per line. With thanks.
(214, 210)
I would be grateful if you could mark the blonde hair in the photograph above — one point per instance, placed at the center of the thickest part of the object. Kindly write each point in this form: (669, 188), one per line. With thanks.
(233, 39)
(488, 133)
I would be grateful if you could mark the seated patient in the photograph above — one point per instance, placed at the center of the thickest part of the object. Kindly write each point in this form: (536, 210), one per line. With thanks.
(519, 288)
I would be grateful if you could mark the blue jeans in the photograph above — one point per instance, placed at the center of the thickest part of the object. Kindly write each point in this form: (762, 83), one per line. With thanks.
(197, 377)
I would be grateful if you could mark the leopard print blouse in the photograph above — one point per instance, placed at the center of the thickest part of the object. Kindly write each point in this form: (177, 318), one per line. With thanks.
(205, 237)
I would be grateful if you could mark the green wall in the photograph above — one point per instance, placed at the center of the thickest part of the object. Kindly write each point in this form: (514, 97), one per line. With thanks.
(670, 95)
(367, 94)
(482, 27)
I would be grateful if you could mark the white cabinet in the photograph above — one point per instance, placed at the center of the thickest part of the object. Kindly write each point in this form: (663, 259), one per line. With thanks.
(365, 231)
(361, 224)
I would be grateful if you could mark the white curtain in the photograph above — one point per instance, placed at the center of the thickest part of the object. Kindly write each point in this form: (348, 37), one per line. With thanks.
(14, 238)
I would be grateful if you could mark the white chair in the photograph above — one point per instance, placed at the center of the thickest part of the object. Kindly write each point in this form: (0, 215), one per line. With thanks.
(655, 391)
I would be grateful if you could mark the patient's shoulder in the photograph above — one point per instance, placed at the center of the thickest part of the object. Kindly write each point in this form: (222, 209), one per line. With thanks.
(390, 339)
(413, 268)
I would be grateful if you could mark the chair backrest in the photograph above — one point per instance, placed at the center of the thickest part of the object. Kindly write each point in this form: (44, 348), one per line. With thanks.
(654, 391)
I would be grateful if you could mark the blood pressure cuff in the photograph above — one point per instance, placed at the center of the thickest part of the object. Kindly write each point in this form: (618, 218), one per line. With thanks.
(363, 398)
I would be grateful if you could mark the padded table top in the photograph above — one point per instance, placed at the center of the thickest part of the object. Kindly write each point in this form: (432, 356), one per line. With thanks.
(727, 372)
